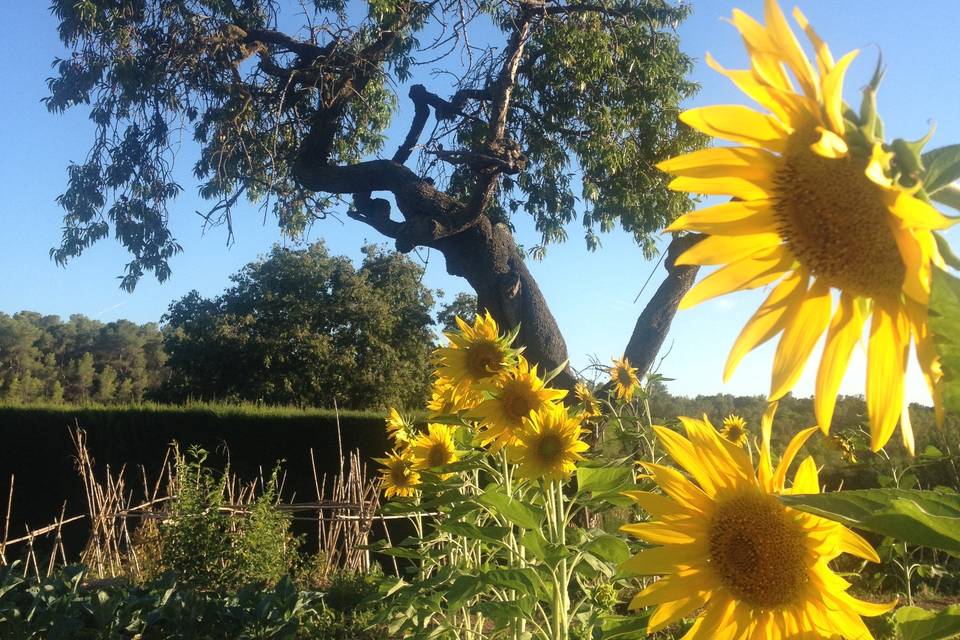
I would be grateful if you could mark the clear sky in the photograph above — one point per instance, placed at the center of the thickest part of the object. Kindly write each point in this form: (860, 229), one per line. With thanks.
(592, 295)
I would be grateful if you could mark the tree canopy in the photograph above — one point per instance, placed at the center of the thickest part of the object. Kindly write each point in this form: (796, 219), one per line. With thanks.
(307, 328)
(555, 110)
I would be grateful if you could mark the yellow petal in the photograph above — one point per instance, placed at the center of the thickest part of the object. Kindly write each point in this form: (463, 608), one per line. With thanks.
(780, 475)
(906, 429)
(845, 330)
(683, 453)
(917, 214)
(718, 162)
(833, 92)
(655, 504)
(781, 35)
(729, 468)
(801, 334)
(735, 218)
(768, 320)
(766, 423)
(738, 123)
(806, 479)
(663, 560)
(675, 531)
(728, 249)
(886, 363)
(735, 187)
(824, 57)
(764, 56)
(926, 354)
(829, 145)
(754, 271)
(674, 587)
(853, 543)
(679, 488)
(790, 108)
(669, 612)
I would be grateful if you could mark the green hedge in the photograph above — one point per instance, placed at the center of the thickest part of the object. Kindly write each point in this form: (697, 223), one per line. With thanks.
(37, 448)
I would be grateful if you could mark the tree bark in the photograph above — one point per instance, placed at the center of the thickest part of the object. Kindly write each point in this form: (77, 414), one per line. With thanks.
(655, 319)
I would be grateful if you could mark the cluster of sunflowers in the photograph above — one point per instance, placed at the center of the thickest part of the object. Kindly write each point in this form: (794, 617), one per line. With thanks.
(484, 380)
(819, 205)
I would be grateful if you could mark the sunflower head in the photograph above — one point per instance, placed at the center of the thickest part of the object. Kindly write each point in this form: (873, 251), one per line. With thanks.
(435, 448)
(399, 477)
(447, 398)
(624, 379)
(589, 405)
(548, 446)
(735, 430)
(728, 548)
(398, 427)
(818, 205)
(475, 353)
(511, 398)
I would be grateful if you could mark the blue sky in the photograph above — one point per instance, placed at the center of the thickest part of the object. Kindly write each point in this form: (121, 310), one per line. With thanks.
(591, 294)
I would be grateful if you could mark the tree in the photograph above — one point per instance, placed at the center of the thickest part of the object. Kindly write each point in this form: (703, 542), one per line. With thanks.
(84, 375)
(107, 384)
(563, 96)
(305, 327)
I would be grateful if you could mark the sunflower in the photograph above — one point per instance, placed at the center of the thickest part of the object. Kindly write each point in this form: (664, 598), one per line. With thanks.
(548, 446)
(624, 378)
(446, 400)
(398, 428)
(589, 405)
(476, 353)
(755, 567)
(435, 448)
(814, 210)
(399, 477)
(512, 397)
(735, 430)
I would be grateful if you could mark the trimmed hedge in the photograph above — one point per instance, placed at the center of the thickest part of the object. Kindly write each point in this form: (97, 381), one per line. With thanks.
(38, 450)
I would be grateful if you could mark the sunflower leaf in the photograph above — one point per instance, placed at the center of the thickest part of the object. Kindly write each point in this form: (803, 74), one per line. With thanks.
(946, 252)
(945, 326)
(943, 167)
(520, 514)
(925, 518)
(914, 623)
(948, 195)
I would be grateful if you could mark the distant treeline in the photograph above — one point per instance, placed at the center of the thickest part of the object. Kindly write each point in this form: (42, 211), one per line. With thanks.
(44, 358)
(297, 327)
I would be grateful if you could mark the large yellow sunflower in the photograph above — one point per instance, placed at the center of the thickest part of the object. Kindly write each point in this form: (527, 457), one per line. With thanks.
(513, 396)
(399, 477)
(435, 448)
(735, 430)
(398, 428)
(548, 446)
(730, 549)
(624, 378)
(589, 405)
(476, 353)
(446, 399)
(814, 210)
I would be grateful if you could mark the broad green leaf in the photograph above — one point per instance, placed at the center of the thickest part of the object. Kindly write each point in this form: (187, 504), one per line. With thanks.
(943, 167)
(945, 326)
(538, 546)
(518, 513)
(609, 548)
(605, 479)
(948, 195)
(521, 580)
(925, 518)
(462, 589)
(625, 627)
(492, 534)
(946, 251)
(914, 623)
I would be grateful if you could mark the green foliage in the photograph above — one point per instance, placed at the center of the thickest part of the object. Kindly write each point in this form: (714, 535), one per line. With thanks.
(914, 623)
(67, 606)
(307, 328)
(598, 89)
(46, 359)
(945, 326)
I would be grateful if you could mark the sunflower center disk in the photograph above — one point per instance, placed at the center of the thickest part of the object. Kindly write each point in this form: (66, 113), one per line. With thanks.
(550, 449)
(758, 551)
(399, 475)
(518, 403)
(835, 221)
(437, 455)
(484, 359)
